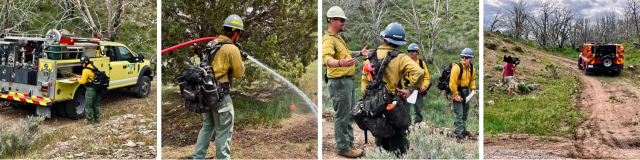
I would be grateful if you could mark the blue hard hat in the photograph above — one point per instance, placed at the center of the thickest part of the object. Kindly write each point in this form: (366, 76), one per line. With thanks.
(467, 52)
(413, 47)
(394, 33)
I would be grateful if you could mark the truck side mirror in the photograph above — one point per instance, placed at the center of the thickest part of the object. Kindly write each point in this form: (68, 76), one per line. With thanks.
(578, 50)
(140, 57)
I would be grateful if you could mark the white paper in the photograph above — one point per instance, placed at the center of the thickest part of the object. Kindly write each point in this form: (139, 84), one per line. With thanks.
(470, 95)
(413, 97)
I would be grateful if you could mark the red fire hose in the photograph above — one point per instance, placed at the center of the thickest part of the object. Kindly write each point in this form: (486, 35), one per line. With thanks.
(188, 43)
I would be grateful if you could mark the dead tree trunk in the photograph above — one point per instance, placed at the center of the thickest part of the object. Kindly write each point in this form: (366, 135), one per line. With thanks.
(5, 17)
(112, 28)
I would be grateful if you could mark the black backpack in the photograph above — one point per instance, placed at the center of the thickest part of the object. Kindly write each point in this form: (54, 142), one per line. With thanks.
(199, 86)
(100, 81)
(370, 113)
(443, 81)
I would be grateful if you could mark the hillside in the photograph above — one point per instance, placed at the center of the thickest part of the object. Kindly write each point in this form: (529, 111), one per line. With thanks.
(567, 114)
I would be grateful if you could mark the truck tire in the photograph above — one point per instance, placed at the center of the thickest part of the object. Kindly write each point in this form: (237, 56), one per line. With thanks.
(579, 63)
(75, 107)
(60, 107)
(607, 61)
(145, 87)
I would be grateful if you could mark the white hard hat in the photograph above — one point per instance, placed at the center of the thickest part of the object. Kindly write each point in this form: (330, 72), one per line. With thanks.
(336, 11)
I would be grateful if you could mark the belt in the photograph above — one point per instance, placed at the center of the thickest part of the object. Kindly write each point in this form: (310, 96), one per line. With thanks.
(350, 77)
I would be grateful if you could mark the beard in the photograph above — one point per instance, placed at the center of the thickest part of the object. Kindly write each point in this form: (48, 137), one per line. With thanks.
(341, 29)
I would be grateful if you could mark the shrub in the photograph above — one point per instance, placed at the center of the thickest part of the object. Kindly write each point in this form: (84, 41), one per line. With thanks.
(530, 87)
(491, 45)
(522, 87)
(553, 69)
(518, 49)
(426, 145)
(487, 76)
(498, 67)
(508, 40)
(504, 49)
(12, 142)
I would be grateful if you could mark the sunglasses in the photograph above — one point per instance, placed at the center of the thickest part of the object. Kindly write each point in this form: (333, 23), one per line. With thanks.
(342, 20)
(465, 57)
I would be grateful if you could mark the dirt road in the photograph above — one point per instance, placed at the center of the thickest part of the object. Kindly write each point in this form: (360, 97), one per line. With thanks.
(610, 105)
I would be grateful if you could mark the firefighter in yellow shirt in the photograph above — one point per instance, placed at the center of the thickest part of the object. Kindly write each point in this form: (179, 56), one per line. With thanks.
(226, 63)
(461, 86)
(394, 37)
(340, 64)
(414, 51)
(92, 98)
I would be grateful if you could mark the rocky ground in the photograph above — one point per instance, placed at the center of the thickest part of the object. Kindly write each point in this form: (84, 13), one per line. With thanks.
(99, 145)
(127, 130)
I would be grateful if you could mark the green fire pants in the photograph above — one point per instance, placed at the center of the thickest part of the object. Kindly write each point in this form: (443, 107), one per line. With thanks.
(417, 109)
(220, 120)
(342, 93)
(92, 105)
(461, 110)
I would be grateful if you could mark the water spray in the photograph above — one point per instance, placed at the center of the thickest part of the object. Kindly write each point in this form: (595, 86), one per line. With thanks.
(310, 103)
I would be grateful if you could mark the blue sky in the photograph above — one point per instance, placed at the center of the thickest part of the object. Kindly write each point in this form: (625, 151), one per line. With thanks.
(589, 9)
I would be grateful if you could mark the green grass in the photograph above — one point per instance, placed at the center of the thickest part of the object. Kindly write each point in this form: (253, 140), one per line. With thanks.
(546, 114)
(255, 112)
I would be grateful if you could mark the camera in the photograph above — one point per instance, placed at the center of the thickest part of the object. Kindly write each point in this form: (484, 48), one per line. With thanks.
(513, 60)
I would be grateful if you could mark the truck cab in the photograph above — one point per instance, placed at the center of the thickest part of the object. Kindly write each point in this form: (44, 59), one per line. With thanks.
(38, 71)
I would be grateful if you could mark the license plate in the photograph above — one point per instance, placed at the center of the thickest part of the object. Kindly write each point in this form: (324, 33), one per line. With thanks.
(590, 66)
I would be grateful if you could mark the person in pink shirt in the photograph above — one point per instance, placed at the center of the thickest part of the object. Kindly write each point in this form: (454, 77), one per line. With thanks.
(507, 72)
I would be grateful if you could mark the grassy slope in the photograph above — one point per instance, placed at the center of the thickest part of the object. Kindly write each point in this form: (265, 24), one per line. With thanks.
(548, 110)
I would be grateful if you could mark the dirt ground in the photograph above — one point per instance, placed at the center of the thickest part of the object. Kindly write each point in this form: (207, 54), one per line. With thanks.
(329, 150)
(295, 137)
(609, 102)
(116, 102)
(68, 134)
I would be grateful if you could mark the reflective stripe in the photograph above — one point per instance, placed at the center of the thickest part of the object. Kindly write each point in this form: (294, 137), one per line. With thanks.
(32, 96)
(23, 100)
(117, 82)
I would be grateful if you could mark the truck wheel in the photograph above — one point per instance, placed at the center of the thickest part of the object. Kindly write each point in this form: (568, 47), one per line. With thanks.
(60, 107)
(579, 64)
(144, 88)
(75, 107)
(607, 61)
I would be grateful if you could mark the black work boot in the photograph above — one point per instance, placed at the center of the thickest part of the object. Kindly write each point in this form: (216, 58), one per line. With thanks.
(466, 133)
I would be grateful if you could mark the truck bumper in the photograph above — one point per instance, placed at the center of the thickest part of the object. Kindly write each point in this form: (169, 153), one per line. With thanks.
(20, 97)
(601, 67)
